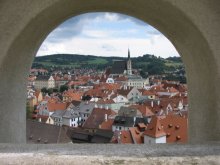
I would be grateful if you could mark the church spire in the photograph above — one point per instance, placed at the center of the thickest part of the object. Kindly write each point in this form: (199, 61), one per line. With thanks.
(129, 67)
(128, 54)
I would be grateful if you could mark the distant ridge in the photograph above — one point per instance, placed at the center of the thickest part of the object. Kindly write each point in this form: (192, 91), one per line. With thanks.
(146, 63)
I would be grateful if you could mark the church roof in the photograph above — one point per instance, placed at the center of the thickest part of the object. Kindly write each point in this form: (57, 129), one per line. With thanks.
(119, 67)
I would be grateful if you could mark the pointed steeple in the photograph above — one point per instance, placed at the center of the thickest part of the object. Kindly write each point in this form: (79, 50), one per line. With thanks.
(128, 54)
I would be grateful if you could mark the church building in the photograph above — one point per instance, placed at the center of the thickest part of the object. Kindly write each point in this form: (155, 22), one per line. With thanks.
(124, 68)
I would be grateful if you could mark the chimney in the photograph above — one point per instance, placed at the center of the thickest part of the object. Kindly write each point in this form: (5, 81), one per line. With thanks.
(152, 103)
(134, 119)
(158, 102)
(106, 117)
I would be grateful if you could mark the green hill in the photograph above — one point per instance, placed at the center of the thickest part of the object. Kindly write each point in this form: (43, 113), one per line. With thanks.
(147, 63)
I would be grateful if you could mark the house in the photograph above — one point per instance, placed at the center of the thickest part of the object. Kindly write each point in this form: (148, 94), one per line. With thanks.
(57, 117)
(71, 118)
(44, 82)
(137, 81)
(73, 104)
(84, 109)
(71, 95)
(46, 108)
(61, 80)
(117, 98)
(149, 94)
(110, 80)
(132, 94)
(109, 104)
(144, 110)
(129, 112)
(97, 117)
(123, 123)
(175, 127)
(50, 120)
(155, 132)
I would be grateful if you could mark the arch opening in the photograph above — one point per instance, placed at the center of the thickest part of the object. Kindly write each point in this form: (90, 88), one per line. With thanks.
(151, 95)
(167, 17)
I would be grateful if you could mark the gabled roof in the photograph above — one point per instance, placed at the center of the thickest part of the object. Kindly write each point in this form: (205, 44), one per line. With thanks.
(129, 112)
(97, 117)
(155, 129)
(70, 114)
(145, 111)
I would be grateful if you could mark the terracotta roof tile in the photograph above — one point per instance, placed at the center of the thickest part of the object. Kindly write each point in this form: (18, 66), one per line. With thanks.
(136, 135)
(107, 125)
(175, 128)
(56, 106)
(155, 129)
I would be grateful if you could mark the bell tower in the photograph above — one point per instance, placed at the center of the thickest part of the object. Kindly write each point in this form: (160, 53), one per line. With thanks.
(129, 68)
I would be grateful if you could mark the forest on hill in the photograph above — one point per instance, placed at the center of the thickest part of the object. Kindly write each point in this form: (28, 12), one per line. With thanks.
(146, 64)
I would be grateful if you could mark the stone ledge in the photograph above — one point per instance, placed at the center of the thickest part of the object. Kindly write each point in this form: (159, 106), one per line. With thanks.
(129, 150)
(109, 154)
(41, 159)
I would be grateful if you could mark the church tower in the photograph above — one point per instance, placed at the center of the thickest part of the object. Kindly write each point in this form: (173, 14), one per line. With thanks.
(129, 68)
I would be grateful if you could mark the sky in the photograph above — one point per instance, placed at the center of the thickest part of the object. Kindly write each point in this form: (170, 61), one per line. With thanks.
(106, 34)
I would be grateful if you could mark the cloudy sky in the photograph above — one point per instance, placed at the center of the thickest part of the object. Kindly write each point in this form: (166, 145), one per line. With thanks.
(106, 34)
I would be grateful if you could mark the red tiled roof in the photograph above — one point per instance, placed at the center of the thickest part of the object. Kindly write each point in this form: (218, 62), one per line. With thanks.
(56, 106)
(97, 117)
(73, 95)
(125, 137)
(121, 78)
(175, 128)
(136, 135)
(145, 111)
(107, 125)
(155, 129)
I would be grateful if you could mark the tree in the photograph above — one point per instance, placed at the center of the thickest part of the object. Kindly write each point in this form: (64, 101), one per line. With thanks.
(63, 88)
(44, 90)
(86, 98)
(55, 90)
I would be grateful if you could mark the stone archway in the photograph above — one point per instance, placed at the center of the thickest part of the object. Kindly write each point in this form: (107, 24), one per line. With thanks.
(25, 24)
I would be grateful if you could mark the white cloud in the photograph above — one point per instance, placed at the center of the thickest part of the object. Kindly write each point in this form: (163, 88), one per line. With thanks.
(157, 45)
(92, 34)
